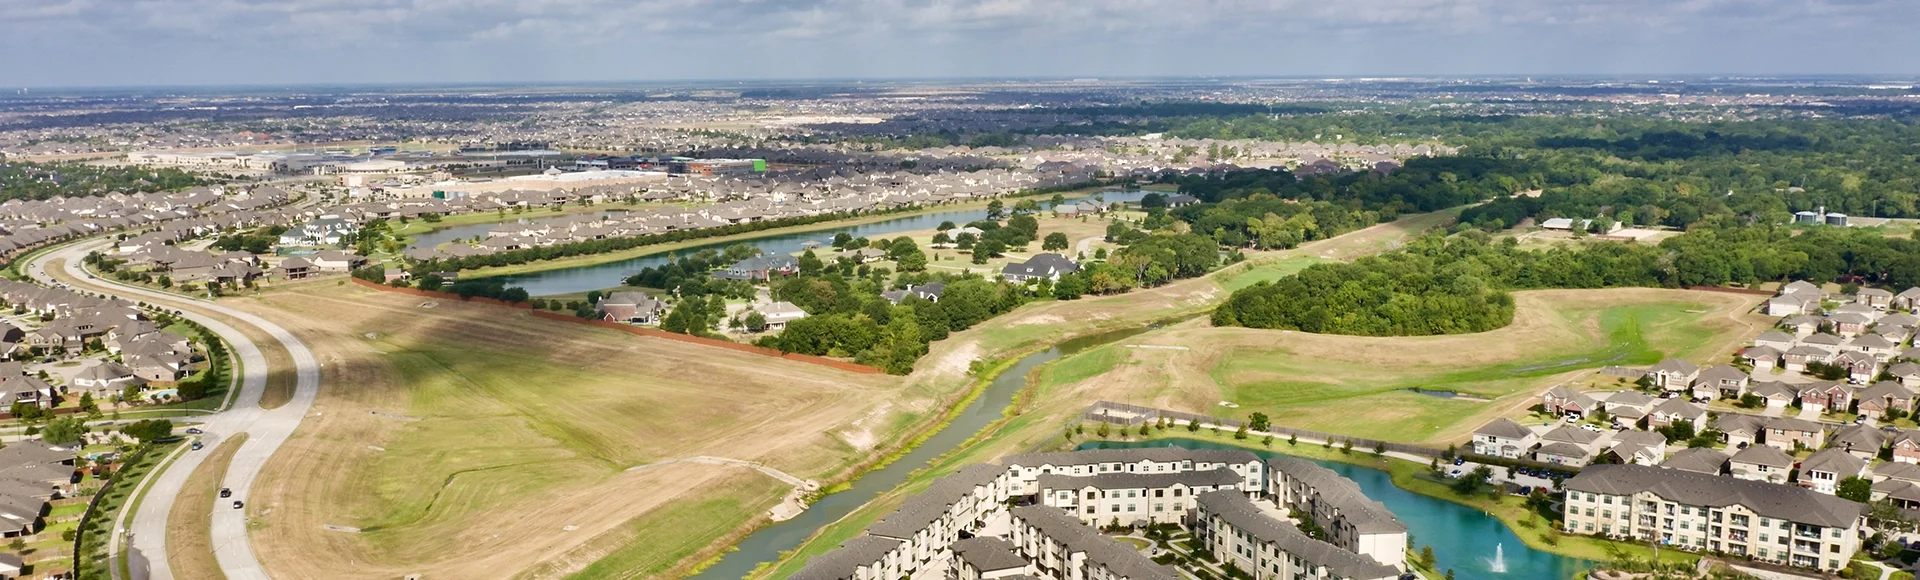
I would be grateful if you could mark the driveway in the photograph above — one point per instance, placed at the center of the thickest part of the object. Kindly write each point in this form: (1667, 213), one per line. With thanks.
(266, 429)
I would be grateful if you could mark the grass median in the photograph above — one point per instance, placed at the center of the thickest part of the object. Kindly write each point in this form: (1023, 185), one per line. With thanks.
(190, 524)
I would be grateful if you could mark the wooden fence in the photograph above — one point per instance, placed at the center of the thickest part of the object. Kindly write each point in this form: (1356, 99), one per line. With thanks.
(631, 329)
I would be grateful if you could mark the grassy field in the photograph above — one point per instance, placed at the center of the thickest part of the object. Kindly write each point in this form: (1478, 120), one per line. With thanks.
(1553, 329)
(189, 543)
(1323, 382)
(474, 441)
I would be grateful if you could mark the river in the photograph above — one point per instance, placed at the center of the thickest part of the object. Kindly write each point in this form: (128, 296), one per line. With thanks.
(1464, 539)
(599, 276)
(766, 544)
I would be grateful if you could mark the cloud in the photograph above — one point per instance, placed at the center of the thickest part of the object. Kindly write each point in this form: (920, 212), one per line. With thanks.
(92, 41)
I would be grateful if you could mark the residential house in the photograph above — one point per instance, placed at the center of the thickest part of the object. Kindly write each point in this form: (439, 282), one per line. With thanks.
(1823, 471)
(930, 292)
(1792, 433)
(778, 314)
(1641, 447)
(1562, 400)
(1906, 446)
(1874, 298)
(763, 267)
(1849, 323)
(1883, 397)
(1763, 358)
(631, 307)
(1740, 430)
(105, 377)
(1830, 396)
(1863, 441)
(295, 268)
(1720, 381)
(1773, 338)
(337, 260)
(1048, 266)
(1566, 445)
(1861, 367)
(1674, 374)
(1761, 463)
(1673, 410)
(1702, 460)
(1504, 438)
(1778, 395)
(1906, 299)
(1907, 373)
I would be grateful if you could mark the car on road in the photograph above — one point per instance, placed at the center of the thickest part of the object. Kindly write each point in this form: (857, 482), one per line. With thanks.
(226, 492)
(1454, 473)
(197, 445)
(237, 504)
(194, 431)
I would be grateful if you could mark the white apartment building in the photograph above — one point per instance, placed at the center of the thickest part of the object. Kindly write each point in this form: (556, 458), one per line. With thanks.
(1771, 522)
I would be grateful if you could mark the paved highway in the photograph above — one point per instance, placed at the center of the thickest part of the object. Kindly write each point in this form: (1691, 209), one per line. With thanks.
(265, 429)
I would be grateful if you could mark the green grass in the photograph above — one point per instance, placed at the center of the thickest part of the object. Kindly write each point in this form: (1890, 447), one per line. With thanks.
(665, 536)
(1235, 279)
(1323, 394)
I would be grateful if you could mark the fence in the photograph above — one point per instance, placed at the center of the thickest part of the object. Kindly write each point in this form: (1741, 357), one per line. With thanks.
(631, 329)
(1753, 291)
(1134, 415)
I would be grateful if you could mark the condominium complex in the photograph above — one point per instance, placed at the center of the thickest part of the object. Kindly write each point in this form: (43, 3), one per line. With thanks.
(1770, 522)
(1238, 531)
(1062, 499)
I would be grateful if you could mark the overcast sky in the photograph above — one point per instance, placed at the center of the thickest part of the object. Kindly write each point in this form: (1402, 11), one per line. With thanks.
(173, 42)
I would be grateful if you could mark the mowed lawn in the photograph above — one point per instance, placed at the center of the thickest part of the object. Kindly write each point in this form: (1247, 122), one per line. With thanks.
(1362, 386)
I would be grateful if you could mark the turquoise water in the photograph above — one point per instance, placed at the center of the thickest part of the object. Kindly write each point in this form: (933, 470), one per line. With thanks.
(599, 276)
(1463, 538)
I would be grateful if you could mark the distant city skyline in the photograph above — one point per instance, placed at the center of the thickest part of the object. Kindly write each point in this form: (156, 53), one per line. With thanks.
(80, 43)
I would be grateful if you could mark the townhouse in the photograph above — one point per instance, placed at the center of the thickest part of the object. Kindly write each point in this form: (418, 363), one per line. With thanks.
(1504, 438)
(1352, 521)
(1770, 522)
(1026, 469)
(1062, 548)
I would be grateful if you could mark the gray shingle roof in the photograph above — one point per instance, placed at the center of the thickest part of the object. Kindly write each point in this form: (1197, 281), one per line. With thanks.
(1697, 460)
(988, 554)
(1504, 427)
(1122, 559)
(1241, 513)
(931, 504)
(843, 562)
(1768, 499)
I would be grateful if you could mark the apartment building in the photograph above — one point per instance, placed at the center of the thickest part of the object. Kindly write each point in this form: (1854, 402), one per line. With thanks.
(1062, 548)
(1025, 469)
(1776, 523)
(1130, 498)
(1239, 532)
(1353, 521)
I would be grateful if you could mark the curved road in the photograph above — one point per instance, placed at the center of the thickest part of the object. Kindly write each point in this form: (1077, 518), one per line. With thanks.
(265, 429)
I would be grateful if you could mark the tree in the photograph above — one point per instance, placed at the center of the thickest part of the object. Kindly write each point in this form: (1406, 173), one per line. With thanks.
(1054, 242)
(912, 262)
(166, 281)
(756, 322)
(62, 430)
(1260, 422)
(1241, 433)
(688, 316)
(996, 210)
(1855, 488)
(945, 225)
(432, 282)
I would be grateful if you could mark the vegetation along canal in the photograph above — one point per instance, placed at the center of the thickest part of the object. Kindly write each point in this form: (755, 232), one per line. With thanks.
(599, 276)
(766, 544)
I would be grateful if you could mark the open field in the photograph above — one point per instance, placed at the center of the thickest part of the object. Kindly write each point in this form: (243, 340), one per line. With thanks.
(1329, 382)
(189, 545)
(474, 441)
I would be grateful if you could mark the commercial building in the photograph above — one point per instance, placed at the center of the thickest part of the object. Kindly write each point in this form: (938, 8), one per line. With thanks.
(1771, 522)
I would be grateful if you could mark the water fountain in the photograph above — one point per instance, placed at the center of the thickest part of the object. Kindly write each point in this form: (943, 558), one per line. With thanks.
(1499, 563)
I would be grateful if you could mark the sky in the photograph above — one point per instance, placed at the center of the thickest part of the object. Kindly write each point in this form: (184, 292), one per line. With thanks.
(73, 43)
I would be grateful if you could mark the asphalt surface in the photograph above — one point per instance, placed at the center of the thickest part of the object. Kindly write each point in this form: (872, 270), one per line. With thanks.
(266, 429)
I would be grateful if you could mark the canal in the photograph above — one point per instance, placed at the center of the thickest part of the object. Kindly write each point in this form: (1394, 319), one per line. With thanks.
(766, 544)
(599, 276)
(1464, 539)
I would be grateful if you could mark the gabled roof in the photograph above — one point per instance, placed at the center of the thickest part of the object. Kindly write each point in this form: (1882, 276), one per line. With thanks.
(1675, 366)
(1716, 373)
(1766, 455)
(1697, 460)
(1767, 499)
(1504, 428)
(1836, 461)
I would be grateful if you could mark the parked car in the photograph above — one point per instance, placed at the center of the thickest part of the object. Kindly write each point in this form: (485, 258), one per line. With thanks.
(225, 493)
(1590, 427)
(1454, 473)
(1459, 461)
(237, 504)
(194, 431)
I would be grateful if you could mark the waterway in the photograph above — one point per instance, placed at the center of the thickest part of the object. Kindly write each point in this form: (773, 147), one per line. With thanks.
(1464, 539)
(610, 274)
(766, 544)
